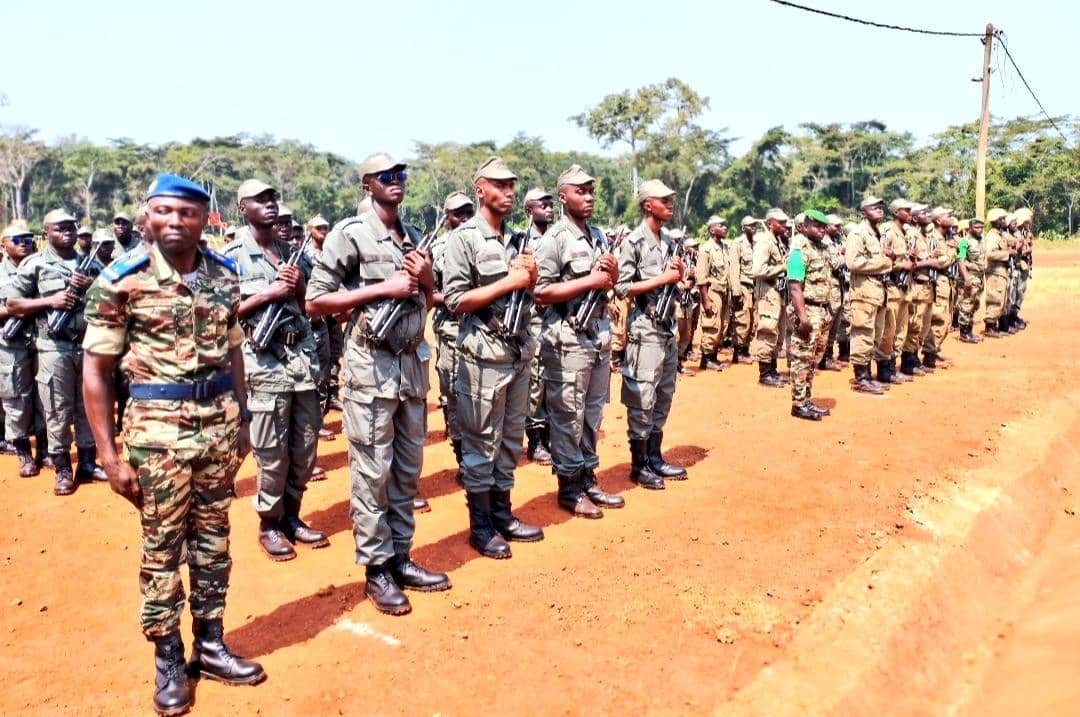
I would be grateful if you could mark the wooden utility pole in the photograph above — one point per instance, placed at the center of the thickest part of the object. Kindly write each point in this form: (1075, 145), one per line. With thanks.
(984, 127)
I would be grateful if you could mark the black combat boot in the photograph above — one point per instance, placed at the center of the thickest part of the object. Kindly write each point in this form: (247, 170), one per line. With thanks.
(863, 383)
(991, 330)
(87, 468)
(895, 376)
(1017, 321)
(27, 467)
(929, 361)
(506, 524)
(882, 372)
(784, 380)
(6, 446)
(597, 494)
(482, 535)
(296, 530)
(273, 541)
(805, 411)
(766, 376)
(211, 657)
(332, 400)
(41, 450)
(709, 362)
(65, 481)
(640, 470)
(967, 336)
(843, 351)
(410, 576)
(825, 358)
(907, 363)
(573, 500)
(536, 451)
(656, 459)
(172, 691)
(384, 593)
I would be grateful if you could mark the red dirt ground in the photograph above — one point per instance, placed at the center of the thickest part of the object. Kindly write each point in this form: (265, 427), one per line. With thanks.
(669, 606)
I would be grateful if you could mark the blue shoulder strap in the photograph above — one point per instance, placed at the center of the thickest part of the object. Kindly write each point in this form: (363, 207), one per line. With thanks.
(127, 263)
(223, 261)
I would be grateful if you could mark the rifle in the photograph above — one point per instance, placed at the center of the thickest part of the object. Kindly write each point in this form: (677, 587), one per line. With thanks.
(271, 317)
(581, 318)
(59, 320)
(514, 310)
(667, 294)
(903, 277)
(389, 312)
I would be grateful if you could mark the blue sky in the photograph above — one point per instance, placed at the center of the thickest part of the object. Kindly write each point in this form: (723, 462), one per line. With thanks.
(353, 78)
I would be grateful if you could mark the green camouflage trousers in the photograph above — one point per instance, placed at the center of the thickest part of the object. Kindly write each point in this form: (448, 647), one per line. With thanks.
(576, 388)
(185, 515)
(970, 300)
(805, 355)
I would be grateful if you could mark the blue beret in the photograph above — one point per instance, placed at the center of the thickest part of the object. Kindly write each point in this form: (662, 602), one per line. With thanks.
(170, 185)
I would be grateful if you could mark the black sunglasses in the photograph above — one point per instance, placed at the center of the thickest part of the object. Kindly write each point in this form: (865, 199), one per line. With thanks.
(387, 177)
(24, 240)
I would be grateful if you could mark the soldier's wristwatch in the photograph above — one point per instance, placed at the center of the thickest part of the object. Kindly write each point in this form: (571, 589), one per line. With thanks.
(245, 416)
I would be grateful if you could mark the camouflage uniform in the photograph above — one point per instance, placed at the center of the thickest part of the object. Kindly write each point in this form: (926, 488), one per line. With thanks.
(184, 451)
(648, 385)
(23, 412)
(897, 308)
(59, 370)
(714, 273)
(386, 385)
(971, 253)
(998, 257)
(838, 294)
(941, 310)
(574, 363)
(920, 297)
(809, 263)
(868, 266)
(742, 260)
(770, 319)
(494, 370)
(319, 328)
(281, 382)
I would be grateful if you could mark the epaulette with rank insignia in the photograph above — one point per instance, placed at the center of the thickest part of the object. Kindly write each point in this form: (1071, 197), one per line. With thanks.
(127, 263)
(224, 261)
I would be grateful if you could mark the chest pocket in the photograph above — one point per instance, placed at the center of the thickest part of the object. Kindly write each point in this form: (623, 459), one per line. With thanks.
(378, 260)
(491, 264)
(51, 283)
(580, 260)
(652, 260)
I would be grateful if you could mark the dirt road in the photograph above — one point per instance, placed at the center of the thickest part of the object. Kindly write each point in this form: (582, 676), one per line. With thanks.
(904, 556)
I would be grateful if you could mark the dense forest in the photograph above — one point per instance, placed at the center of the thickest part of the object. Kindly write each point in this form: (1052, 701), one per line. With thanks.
(656, 128)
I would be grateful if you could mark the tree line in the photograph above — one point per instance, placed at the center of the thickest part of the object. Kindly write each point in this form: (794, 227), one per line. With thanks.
(658, 128)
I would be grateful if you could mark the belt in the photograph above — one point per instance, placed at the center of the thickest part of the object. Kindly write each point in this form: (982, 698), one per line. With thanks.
(820, 304)
(408, 347)
(194, 391)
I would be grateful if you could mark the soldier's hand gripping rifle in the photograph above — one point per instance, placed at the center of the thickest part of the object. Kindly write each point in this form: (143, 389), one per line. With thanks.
(271, 317)
(584, 314)
(514, 310)
(666, 301)
(59, 320)
(390, 311)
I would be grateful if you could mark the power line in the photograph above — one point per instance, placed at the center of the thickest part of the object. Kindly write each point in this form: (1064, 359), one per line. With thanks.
(1005, 47)
(871, 23)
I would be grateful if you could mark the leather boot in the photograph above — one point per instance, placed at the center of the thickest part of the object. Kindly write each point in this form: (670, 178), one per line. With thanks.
(805, 411)
(296, 530)
(384, 593)
(784, 379)
(87, 468)
(65, 481)
(410, 576)
(907, 363)
(1003, 325)
(709, 362)
(172, 691)
(967, 337)
(897, 377)
(332, 400)
(6, 446)
(618, 358)
(41, 450)
(506, 524)
(211, 657)
(929, 362)
(573, 500)
(27, 467)
(863, 384)
(991, 330)
(766, 377)
(882, 372)
(844, 351)
(482, 535)
(820, 410)
(1010, 324)
(419, 505)
(656, 459)
(640, 471)
(597, 494)
(1018, 322)
(536, 451)
(273, 541)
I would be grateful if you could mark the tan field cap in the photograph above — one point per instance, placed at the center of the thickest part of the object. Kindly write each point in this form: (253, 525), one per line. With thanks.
(654, 189)
(15, 230)
(456, 200)
(833, 220)
(714, 219)
(574, 174)
(252, 188)
(536, 194)
(58, 216)
(379, 162)
(284, 211)
(870, 201)
(318, 221)
(778, 214)
(494, 168)
(1023, 214)
(899, 203)
(748, 221)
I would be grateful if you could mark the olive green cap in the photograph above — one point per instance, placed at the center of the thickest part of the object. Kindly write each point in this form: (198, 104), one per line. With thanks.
(379, 162)
(815, 215)
(456, 200)
(493, 168)
(574, 174)
(714, 219)
(122, 215)
(654, 189)
(252, 188)
(104, 236)
(58, 216)
(871, 201)
(536, 194)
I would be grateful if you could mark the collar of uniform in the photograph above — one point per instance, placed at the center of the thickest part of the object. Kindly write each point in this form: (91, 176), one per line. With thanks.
(533, 233)
(165, 272)
(566, 223)
(647, 232)
(253, 248)
(484, 228)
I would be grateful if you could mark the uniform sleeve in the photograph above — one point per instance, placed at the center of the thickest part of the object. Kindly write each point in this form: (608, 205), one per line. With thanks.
(704, 262)
(628, 273)
(235, 335)
(23, 284)
(106, 318)
(796, 266)
(339, 257)
(760, 257)
(546, 255)
(457, 269)
(995, 251)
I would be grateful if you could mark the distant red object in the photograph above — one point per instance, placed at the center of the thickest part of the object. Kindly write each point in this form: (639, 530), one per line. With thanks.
(215, 219)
